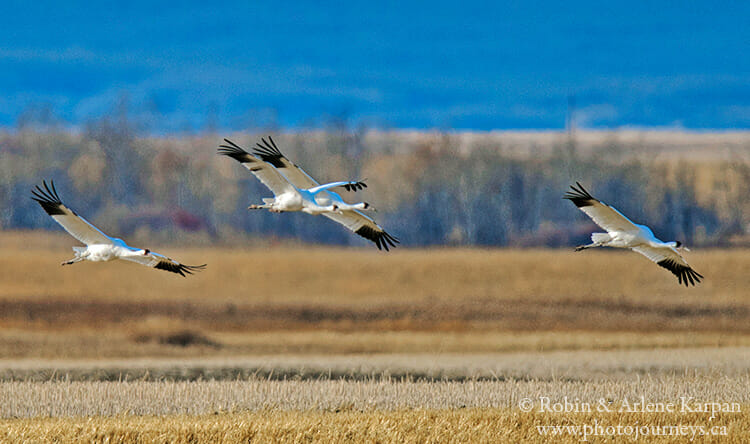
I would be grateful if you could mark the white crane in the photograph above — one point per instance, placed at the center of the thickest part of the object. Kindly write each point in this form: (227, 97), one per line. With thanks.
(99, 246)
(623, 233)
(295, 190)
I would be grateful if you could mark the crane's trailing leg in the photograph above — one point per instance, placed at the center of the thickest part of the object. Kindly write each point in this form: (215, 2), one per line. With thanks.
(598, 239)
(81, 254)
(73, 261)
(267, 204)
(258, 207)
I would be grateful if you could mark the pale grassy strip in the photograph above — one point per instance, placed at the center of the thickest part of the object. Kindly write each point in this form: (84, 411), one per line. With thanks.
(410, 426)
(72, 399)
(572, 365)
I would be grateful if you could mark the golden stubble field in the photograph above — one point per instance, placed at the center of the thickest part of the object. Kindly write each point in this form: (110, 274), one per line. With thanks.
(378, 411)
(496, 425)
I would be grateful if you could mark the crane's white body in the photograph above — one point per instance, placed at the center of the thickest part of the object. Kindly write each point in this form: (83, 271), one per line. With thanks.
(640, 236)
(624, 233)
(315, 201)
(118, 249)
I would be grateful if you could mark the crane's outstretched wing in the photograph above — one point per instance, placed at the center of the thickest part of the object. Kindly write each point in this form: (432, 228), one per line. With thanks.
(365, 227)
(265, 172)
(296, 175)
(74, 224)
(673, 261)
(161, 262)
(602, 214)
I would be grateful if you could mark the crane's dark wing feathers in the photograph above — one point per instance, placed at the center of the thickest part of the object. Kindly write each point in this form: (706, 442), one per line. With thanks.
(49, 200)
(683, 272)
(355, 186)
(381, 238)
(579, 196)
(235, 152)
(178, 268)
(270, 153)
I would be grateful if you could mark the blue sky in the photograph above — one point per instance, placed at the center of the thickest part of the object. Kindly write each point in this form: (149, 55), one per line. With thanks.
(464, 65)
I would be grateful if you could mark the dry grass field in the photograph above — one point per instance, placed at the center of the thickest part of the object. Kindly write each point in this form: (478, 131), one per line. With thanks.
(375, 411)
(290, 344)
(322, 300)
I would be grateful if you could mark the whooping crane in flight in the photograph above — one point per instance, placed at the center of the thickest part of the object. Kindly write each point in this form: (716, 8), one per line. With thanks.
(623, 233)
(295, 190)
(99, 246)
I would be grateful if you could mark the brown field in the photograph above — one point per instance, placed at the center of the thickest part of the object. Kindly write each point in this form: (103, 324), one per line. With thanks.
(323, 300)
(289, 344)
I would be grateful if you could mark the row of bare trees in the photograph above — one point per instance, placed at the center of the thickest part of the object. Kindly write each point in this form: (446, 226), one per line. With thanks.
(432, 191)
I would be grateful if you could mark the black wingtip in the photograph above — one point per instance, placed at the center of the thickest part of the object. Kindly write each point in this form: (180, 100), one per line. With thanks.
(356, 185)
(685, 274)
(381, 238)
(48, 198)
(273, 143)
(180, 269)
(269, 152)
(234, 145)
(579, 196)
(235, 152)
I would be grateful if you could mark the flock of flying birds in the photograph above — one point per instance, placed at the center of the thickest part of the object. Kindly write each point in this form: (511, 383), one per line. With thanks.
(295, 190)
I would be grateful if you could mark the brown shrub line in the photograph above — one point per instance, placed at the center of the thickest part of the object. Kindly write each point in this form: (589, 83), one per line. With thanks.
(461, 314)
(159, 337)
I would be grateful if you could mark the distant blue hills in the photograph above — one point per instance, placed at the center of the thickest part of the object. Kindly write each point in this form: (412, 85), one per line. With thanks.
(439, 64)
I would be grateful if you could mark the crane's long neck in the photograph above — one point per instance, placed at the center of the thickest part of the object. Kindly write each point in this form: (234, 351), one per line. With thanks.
(356, 206)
